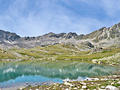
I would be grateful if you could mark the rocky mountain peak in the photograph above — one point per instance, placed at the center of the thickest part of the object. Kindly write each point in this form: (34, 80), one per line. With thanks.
(71, 35)
(106, 36)
(49, 34)
(105, 33)
(5, 35)
(61, 35)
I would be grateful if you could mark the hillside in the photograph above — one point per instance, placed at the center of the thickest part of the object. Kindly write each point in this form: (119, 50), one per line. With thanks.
(101, 46)
(60, 52)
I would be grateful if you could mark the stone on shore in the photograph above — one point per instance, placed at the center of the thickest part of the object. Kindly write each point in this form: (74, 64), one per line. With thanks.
(109, 87)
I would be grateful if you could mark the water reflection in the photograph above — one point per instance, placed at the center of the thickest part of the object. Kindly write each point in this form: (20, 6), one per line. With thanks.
(61, 70)
(29, 80)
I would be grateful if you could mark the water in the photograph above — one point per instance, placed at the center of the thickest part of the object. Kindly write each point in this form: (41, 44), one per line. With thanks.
(18, 73)
(29, 80)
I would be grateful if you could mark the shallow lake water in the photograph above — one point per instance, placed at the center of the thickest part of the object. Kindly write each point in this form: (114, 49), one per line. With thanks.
(22, 73)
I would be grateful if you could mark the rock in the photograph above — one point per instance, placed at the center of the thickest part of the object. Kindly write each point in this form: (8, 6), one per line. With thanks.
(102, 87)
(100, 38)
(95, 61)
(75, 88)
(67, 83)
(66, 89)
(119, 87)
(80, 36)
(84, 87)
(112, 83)
(19, 88)
(109, 87)
(5, 35)
(71, 35)
(66, 80)
(87, 43)
(118, 82)
(83, 83)
(93, 79)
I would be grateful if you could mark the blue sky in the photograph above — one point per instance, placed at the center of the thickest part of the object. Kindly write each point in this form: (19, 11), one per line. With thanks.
(37, 17)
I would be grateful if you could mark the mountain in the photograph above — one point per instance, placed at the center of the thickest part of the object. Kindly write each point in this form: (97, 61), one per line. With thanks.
(4, 35)
(100, 47)
(105, 33)
(103, 37)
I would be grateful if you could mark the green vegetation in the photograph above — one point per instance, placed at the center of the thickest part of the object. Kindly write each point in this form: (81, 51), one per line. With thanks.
(62, 52)
(6, 54)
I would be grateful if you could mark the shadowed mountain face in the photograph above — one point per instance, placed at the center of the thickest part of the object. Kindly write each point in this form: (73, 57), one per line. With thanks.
(103, 37)
(4, 35)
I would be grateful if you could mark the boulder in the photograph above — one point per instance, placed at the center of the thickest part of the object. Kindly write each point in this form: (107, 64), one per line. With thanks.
(109, 87)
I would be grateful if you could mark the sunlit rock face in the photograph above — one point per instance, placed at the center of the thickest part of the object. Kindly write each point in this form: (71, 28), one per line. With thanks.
(103, 37)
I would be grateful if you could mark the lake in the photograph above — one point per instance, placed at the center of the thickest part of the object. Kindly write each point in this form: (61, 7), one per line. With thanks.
(46, 72)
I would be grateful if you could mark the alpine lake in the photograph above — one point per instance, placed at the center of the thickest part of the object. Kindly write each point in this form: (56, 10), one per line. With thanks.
(41, 72)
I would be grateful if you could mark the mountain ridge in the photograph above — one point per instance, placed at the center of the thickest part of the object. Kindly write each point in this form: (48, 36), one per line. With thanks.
(103, 37)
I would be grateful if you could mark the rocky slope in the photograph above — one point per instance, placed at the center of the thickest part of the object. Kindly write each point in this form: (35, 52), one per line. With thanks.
(4, 35)
(101, 38)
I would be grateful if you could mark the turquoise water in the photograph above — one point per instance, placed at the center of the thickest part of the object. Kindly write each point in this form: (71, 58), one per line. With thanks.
(30, 80)
(12, 74)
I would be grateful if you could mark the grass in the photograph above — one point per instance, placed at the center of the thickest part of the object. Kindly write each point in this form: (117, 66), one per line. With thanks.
(58, 52)
(4, 54)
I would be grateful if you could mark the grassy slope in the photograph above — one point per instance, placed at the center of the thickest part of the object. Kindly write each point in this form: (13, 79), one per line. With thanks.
(63, 52)
(6, 54)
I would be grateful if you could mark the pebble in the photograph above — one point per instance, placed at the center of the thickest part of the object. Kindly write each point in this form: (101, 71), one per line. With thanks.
(109, 87)
(66, 83)
(96, 79)
(119, 87)
(118, 82)
(83, 83)
(66, 89)
(112, 83)
(75, 88)
(84, 87)
(102, 87)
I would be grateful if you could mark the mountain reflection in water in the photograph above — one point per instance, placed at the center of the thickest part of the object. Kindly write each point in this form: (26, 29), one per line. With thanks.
(21, 72)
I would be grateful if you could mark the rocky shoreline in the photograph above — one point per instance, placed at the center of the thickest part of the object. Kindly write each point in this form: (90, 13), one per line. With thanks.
(97, 83)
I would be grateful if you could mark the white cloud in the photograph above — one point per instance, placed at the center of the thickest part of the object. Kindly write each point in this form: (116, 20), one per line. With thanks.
(112, 7)
(49, 16)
